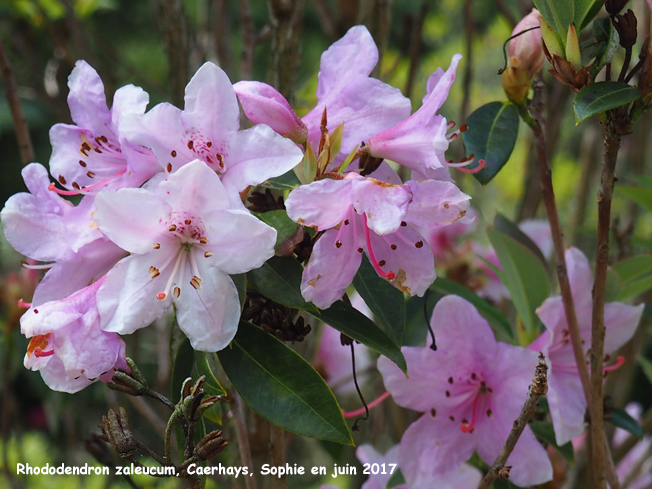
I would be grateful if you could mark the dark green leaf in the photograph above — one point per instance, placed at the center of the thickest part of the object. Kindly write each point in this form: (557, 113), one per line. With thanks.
(585, 12)
(504, 225)
(612, 287)
(287, 181)
(353, 323)
(282, 387)
(558, 13)
(524, 276)
(280, 280)
(620, 418)
(642, 196)
(607, 41)
(385, 301)
(240, 281)
(634, 289)
(633, 268)
(599, 97)
(182, 358)
(544, 431)
(646, 365)
(279, 220)
(491, 136)
(212, 386)
(494, 317)
(396, 480)
(543, 406)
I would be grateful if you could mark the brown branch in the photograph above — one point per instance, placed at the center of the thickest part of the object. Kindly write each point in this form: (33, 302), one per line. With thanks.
(20, 123)
(243, 438)
(612, 145)
(376, 16)
(326, 18)
(415, 47)
(277, 452)
(610, 468)
(222, 35)
(468, 62)
(248, 40)
(558, 237)
(537, 389)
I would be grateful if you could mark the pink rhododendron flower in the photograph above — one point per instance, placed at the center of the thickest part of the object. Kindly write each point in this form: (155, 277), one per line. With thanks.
(565, 395)
(93, 154)
(184, 239)
(67, 345)
(420, 141)
(365, 105)
(209, 129)
(368, 214)
(526, 51)
(471, 390)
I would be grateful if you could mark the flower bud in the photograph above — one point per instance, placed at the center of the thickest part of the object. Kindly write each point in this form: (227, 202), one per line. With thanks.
(123, 382)
(615, 6)
(264, 105)
(525, 51)
(116, 428)
(626, 25)
(211, 445)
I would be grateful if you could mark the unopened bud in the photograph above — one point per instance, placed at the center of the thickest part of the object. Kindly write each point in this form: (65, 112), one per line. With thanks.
(123, 382)
(211, 445)
(503, 472)
(516, 84)
(626, 25)
(573, 48)
(614, 7)
(264, 105)
(135, 372)
(116, 428)
(525, 51)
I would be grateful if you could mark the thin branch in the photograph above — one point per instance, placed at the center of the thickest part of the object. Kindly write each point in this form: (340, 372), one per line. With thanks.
(243, 438)
(468, 62)
(612, 145)
(148, 413)
(610, 469)
(558, 237)
(537, 389)
(415, 47)
(20, 123)
(277, 452)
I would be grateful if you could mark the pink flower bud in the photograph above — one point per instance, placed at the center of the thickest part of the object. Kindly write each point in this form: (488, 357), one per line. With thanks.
(525, 51)
(264, 105)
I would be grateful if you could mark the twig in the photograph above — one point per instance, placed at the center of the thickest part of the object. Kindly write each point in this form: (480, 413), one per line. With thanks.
(248, 40)
(610, 469)
(20, 123)
(588, 168)
(277, 452)
(243, 438)
(628, 59)
(612, 145)
(222, 35)
(148, 413)
(537, 389)
(558, 237)
(376, 15)
(415, 47)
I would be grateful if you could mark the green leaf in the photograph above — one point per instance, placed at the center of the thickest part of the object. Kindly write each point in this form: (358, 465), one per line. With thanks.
(633, 268)
(491, 136)
(558, 13)
(494, 317)
(309, 165)
(353, 323)
(240, 281)
(280, 280)
(585, 12)
(524, 276)
(287, 181)
(599, 97)
(634, 289)
(344, 165)
(646, 365)
(608, 42)
(385, 301)
(336, 141)
(282, 387)
(642, 196)
(620, 418)
(544, 431)
(396, 480)
(182, 359)
(279, 220)
(612, 286)
(504, 225)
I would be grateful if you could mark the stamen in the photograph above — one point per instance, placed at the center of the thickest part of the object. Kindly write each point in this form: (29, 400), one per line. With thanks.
(468, 428)
(481, 165)
(24, 305)
(208, 254)
(156, 246)
(389, 275)
(372, 404)
(618, 364)
(162, 295)
(45, 266)
(203, 240)
(38, 352)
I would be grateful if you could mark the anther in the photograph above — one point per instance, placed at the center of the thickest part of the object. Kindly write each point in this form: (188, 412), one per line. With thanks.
(403, 223)
(473, 376)
(346, 222)
(448, 394)
(156, 246)
(173, 153)
(98, 150)
(190, 144)
(393, 247)
(464, 128)
(381, 263)
(172, 228)
(35, 311)
(104, 140)
(62, 180)
(177, 292)
(208, 254)
(76, 186)
(452, 418)
(188, 222)
(196, 282)
(82, 163)
(419, 244)
(203, 240)
(489, 413)
(90, 174)
(360, 250)
(38, 352)
(209, 144)
(153, 272)
(433, 412)
(338, 244)
(169, 167)
(450, 380)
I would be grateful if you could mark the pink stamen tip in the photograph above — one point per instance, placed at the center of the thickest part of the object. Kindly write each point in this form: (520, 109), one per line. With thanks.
(40, 353)
(161, 296)
(481, 164)
(371, 405)
(388, 275)
(54, 189)
(24, 305)
(618, 364)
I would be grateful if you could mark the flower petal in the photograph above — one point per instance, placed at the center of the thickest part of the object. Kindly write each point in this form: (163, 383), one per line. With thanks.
(209, 316)
(620, 322)
(331, 268)
(54, 375)
(436, 204)
(322, 204)
(384, 204)
(86, 99)
(566, 401)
